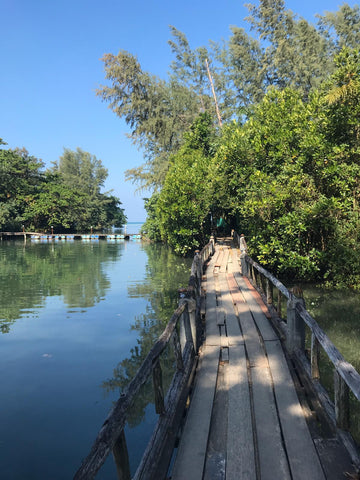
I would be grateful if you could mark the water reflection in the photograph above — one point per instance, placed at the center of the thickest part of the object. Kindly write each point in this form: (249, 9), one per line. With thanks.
(81, 317)
(338, 314)
(32, 272)
(165, 273)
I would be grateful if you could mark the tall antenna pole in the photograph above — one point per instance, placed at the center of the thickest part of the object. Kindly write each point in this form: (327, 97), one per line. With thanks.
(213, 91)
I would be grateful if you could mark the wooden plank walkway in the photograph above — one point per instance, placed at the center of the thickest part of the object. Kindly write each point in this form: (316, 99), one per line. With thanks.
(245, 420)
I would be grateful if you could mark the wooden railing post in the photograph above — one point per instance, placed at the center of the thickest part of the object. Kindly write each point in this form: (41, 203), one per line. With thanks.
(158, 387)
(198, 275)
(279, 308)
(177, 351)
(190, 320)
(342, 406)
(296, 327)
(315, 357)
(269, 291)
(121, 458)
(243, 263)
(253, 275)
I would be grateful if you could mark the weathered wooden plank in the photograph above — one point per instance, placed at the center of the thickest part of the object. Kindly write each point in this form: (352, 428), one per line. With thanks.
(212, 336)
(262, 322)
(251, 337)
(342, 404)
(121, 458)
(235, 261)
(240, 462)
(225, 259)
(220, 316)
(272, 457)
(237, 296)
(301, 452)
(190, 459)
(315, 358)
(220, 257)
(232, 323)
(256, 295)
(216, 448)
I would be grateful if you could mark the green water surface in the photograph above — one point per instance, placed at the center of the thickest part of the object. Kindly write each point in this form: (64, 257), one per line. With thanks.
(76, 321)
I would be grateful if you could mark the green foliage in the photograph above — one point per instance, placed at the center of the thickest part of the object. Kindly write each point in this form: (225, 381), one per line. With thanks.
(81, 171)
(55, 204)
(183, 205)
(180, 214)
(156, 111)
(342, 28)
(68, 197)
(286, 51)
(20, 174)
(151, 228)
(289, 176)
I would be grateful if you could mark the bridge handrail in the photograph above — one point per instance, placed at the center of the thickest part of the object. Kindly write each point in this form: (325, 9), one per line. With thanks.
(111, 436)
(346, 376)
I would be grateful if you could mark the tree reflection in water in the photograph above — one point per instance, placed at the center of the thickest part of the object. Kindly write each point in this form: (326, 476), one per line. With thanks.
(166, 273)
(72, 270)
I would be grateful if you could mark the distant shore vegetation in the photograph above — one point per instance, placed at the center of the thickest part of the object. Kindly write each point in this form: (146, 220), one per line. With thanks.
(66, 197)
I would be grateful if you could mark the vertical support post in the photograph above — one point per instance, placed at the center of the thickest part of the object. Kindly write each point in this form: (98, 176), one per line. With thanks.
(296, 328)
(244, 267)
(158, 388)
(262, 282)
(253, 274)
(121, 458)
(315, 357)
(279, 309)
(177, 350)
(192, 318)
(198, 265)
(187, 326)
(269, 291)
(342, 405)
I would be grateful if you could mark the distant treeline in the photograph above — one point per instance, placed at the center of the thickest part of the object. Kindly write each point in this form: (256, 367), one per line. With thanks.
(281, 160)
(66, 197)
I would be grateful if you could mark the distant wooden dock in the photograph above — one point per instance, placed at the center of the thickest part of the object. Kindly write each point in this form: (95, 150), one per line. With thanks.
(35, 236)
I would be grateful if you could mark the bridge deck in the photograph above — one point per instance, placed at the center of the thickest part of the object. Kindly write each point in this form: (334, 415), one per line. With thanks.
(245, 420)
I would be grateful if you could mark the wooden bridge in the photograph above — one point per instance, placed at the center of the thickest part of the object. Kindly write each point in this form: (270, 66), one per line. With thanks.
(253, 410)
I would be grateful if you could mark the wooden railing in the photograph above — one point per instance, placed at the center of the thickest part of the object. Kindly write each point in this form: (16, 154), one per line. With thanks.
(292, 329)
(169, 407)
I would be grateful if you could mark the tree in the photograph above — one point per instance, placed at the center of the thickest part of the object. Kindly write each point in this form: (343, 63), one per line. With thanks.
(20, 175)
(81, 171)
(183, 205)
(342, 28)
(83, 174)
(156, 111)
(55, 204)
(295, 54)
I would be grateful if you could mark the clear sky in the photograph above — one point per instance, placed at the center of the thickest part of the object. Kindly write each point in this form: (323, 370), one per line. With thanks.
(50, 54)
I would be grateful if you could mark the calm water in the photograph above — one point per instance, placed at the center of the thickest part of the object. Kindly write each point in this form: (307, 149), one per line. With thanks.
(338, 314)
(76, 321)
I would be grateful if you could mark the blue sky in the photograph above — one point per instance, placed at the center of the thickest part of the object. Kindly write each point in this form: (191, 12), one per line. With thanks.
(50, 54)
